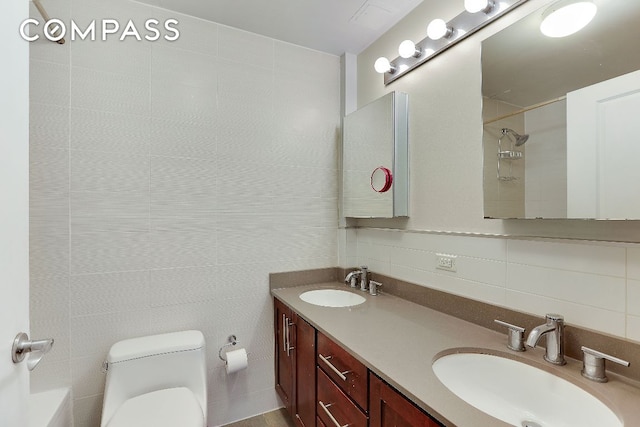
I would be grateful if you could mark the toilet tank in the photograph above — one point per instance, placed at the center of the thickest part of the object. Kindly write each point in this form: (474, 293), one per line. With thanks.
(142, 365)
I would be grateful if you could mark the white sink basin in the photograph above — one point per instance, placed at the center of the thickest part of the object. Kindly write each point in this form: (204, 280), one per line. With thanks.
(332, 298)
(520, 394)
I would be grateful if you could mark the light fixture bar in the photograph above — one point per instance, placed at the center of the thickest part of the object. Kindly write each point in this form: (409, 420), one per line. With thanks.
(463, 25)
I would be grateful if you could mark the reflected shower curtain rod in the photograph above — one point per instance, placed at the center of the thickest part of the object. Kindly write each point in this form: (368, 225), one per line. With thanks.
(46, 17)
(525, 109)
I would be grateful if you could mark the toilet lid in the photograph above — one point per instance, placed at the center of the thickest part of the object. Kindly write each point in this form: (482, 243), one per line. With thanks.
(163, 408)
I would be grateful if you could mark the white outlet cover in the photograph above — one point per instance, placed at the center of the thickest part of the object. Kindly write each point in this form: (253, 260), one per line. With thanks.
(446, 262)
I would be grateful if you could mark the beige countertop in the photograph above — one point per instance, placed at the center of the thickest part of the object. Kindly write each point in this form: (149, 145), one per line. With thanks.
(399, 340)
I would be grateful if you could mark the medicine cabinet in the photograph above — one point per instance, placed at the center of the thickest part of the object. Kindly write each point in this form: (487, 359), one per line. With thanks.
(375, 169)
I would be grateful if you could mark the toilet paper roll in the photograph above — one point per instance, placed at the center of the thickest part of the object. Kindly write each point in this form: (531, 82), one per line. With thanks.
(236, 360)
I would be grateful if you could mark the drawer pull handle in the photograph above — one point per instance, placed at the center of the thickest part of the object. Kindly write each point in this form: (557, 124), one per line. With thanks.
(288, 347)
(284, 332)
(326, 359)
(330, 415)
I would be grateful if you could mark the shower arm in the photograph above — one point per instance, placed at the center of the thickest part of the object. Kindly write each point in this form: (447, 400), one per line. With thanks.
(46, 18)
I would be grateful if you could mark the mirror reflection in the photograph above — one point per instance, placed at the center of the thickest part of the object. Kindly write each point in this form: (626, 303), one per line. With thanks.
(558, 117)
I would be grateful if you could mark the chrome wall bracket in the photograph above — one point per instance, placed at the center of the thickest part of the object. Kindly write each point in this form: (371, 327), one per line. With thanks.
(232, 341)
(36, 349)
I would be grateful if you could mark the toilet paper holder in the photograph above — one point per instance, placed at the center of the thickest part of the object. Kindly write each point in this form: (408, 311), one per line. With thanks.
(232, 341)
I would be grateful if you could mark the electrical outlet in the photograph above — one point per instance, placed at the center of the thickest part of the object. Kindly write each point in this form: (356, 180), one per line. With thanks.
(446, 262)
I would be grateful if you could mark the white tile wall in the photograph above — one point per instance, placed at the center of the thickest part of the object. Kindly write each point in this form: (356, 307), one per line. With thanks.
(49, 126)
(48, 82)
(595, 285)
(244, 47)
(104, 131)
(108, 91)
(633, 327)
(127, 57)
(167, 180)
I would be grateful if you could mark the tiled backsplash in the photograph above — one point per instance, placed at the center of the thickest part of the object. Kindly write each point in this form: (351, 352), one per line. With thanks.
(593, 284)
(307, 277)
(167, 181)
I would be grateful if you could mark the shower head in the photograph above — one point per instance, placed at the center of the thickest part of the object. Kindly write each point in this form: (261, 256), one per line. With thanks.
(519, 139)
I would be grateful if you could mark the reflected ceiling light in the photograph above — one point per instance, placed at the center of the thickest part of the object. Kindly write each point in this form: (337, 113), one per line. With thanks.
(408, 49)
(382, 65)
(567, 17)
(439, 29)
(475, 6)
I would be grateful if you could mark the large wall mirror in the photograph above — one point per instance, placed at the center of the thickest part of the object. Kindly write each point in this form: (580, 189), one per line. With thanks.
(561, 129)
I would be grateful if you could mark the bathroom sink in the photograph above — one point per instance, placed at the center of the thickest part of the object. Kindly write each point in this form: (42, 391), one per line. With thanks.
(520, 394)
(332, 298)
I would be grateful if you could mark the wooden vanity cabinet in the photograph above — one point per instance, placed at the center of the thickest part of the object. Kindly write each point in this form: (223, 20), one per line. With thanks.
(295, 364)
(322, 385)
(388, 408)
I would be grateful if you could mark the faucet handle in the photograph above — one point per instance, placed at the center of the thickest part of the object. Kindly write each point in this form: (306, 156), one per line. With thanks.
(593, 366)
(515, 336)
(552, 317)
(364, 278)
(374, 287)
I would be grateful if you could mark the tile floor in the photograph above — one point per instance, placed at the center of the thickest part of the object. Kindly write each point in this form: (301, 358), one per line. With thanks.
(277, 418)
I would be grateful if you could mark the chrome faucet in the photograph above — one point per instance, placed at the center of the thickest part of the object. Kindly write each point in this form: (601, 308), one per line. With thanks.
(364, 278)
(554, 330)
(352, 278)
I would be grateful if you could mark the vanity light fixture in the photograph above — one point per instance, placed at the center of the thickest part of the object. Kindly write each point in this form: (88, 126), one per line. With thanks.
(475, 6)
(407, 49)
(438, 29)
(382, 65)
(441, 35)
(567, 17)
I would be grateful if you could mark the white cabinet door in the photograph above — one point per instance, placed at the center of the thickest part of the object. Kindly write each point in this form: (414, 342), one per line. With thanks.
(603, 148)
(14, 210)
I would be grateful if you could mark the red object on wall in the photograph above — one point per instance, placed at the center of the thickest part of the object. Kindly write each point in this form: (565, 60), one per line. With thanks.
(381, 185)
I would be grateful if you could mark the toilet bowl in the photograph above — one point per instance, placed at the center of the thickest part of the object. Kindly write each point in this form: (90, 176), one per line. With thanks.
(158, 381)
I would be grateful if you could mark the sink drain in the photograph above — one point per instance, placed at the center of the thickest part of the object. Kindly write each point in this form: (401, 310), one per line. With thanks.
(526, 423)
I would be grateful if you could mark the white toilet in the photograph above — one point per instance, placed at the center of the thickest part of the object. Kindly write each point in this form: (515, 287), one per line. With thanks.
(158, 380)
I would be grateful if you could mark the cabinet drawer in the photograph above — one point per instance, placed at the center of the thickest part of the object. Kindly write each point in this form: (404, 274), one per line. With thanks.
(334, 408)
(347, 372)
(390, 408)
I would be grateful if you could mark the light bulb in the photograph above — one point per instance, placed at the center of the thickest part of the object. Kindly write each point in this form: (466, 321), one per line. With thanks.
(438, 29)
(475, 6)
(382, 65)
(407, 49)
(567, 17)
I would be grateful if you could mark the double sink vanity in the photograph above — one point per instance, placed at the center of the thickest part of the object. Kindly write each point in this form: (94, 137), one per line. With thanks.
(345, 357)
